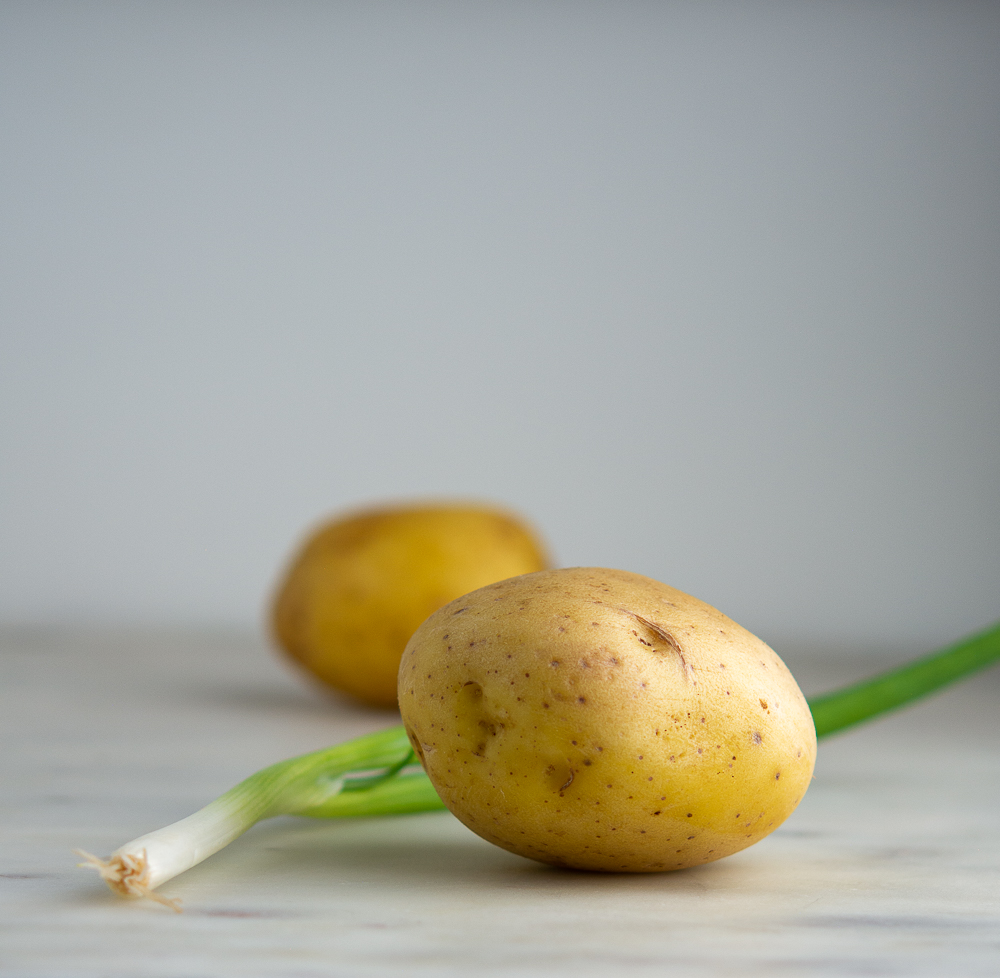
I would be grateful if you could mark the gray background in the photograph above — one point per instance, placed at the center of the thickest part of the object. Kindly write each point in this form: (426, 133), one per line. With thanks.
(708, 290)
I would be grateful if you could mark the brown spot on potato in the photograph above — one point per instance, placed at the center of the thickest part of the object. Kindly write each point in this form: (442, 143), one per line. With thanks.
(559, 776)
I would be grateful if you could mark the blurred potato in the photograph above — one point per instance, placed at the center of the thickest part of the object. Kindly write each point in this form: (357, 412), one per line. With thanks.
(360, 586)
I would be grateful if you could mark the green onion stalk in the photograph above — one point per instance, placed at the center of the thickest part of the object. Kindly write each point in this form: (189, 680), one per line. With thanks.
(377, 774)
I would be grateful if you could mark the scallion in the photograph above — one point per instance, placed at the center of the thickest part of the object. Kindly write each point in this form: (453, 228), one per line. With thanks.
(376, 775)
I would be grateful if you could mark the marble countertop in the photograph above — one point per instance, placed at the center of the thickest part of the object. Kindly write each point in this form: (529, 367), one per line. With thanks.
(891, 865)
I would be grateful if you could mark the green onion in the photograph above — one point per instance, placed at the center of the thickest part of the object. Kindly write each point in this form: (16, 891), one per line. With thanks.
(376, 775)
(897, 687)
(372, 775)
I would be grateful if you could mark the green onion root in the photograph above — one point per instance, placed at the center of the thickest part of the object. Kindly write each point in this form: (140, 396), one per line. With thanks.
(377, 775)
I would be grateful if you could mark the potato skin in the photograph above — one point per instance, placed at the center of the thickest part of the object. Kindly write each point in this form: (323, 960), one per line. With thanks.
(597, 719)
(361, 584)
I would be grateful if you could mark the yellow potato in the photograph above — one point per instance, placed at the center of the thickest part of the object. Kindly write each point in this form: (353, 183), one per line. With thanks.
(360, 586)
(601, 720)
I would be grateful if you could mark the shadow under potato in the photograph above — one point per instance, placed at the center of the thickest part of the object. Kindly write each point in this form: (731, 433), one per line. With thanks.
(432, 849)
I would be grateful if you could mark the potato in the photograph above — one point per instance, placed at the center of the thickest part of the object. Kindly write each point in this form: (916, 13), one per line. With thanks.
(600, 720)
(360, 586)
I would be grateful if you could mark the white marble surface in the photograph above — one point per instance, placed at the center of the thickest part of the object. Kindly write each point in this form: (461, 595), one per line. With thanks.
(891, 866)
